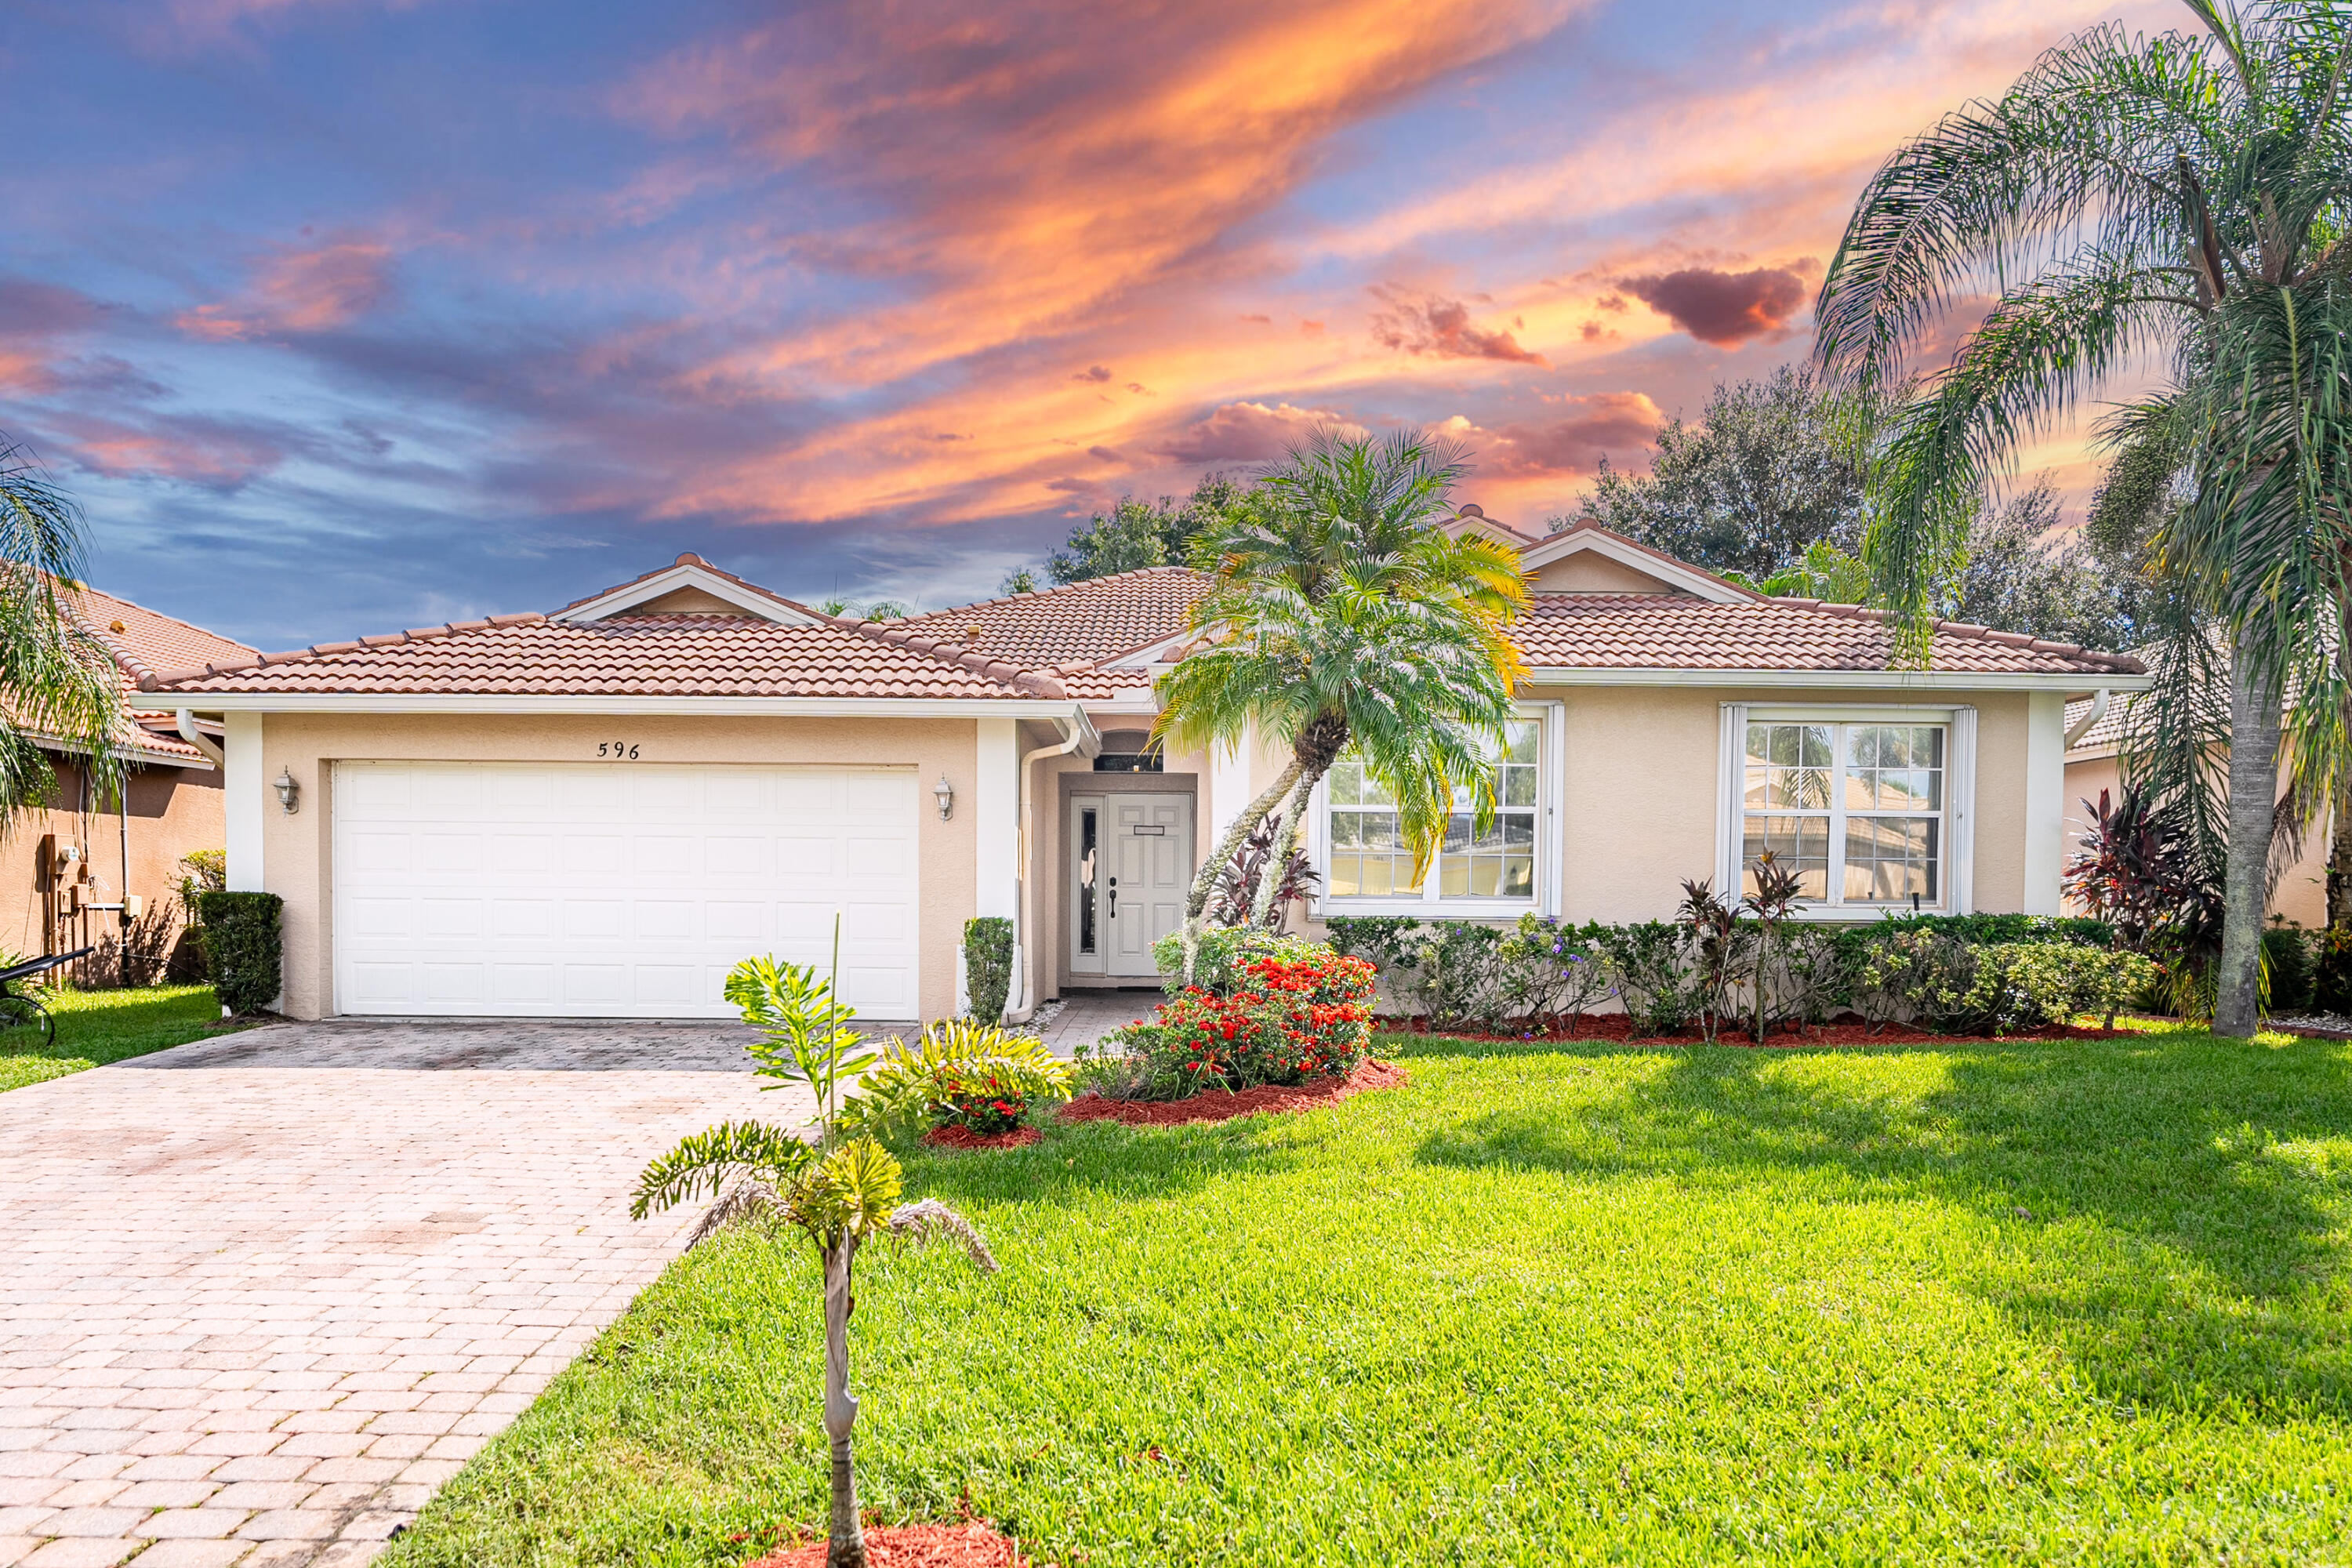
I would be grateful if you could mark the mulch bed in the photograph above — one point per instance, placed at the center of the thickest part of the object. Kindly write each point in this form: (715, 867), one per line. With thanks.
(1617, 1028)
(912, 1546)
(1224, 1105)
(965, 1138)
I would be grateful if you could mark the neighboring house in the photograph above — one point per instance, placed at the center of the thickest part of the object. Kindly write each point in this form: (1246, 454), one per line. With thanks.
(70, 864)
(596, 812)
(2094, 734)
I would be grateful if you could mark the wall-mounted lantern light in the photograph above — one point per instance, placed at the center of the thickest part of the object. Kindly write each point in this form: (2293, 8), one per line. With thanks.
(944, 793)
(288, 792)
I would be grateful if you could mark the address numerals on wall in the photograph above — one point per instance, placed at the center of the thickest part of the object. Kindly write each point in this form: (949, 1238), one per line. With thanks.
(617, 750)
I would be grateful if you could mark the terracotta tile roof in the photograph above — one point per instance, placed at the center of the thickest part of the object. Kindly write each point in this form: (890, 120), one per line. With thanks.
(1673, 631)
(143, 641)
(1084, 623)
(631, 656)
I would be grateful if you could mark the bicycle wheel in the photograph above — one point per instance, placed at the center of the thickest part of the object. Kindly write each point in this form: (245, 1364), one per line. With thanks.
(25, 1023)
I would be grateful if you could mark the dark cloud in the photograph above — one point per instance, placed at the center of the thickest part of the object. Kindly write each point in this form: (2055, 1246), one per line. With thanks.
(1725, 308)
(1093, 372)
(1428, 324)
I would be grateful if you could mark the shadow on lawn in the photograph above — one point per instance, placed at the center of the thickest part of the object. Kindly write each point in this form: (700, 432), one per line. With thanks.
(2164, 1227)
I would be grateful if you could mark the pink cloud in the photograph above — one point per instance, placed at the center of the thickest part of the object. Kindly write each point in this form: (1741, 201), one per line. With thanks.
(1429, 324)
(1249, 432)
(298, 291)
(1725, 308)
(1601, 424)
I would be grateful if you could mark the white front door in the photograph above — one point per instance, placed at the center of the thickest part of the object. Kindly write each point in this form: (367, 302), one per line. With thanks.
(1132, 855)
(617, 889)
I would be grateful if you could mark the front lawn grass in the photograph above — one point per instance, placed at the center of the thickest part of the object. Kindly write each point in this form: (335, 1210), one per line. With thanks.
(2080, 1302)
(95, 1028)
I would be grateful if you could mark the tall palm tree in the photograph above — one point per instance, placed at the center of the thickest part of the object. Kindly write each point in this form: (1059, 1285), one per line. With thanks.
(1341, 613)
(2128, 196)
(57, 681)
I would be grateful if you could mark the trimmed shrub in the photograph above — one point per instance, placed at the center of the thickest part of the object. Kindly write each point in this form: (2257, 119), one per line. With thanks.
(1936, 981)
(1289, 1016)
(245, 947)
(959, 1074)
(988, 966)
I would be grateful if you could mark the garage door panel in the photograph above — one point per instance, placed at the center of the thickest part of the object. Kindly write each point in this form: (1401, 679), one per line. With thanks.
(626, 891)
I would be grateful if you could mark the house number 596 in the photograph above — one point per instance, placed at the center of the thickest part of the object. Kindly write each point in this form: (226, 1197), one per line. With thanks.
(617, 750)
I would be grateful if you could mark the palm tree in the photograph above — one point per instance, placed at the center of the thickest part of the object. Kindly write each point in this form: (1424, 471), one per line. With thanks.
(2182, 193)
(57, 681)
(1341, 613)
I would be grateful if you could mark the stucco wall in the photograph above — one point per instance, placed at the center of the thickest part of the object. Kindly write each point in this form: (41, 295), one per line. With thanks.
(172, 812)
(1640, 800)
(2301, 893)
(297, 849)
(1590, 572)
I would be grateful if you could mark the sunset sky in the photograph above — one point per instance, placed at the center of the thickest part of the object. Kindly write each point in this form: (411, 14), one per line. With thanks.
(343, 316)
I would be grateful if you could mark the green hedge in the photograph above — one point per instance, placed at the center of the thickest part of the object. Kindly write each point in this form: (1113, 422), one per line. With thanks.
(988, 966)
(243, 947)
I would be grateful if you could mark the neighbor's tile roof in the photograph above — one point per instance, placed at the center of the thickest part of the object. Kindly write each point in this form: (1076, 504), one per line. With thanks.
(145, 641)
(632, 656)
(1673, 631)
(1085, 623)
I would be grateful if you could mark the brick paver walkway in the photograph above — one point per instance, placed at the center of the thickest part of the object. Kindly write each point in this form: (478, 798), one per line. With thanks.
(1087, 1017)
(258, 1300)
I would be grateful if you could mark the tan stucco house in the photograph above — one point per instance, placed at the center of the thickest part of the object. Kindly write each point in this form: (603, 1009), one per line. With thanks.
(596, 812)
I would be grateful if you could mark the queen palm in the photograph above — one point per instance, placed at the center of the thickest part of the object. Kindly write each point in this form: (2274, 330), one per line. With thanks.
(57, 681)
(2181, 196)
(1341, 613)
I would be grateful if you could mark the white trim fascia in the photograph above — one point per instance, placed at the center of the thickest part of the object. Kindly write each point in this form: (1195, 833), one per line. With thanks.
(1731, 797)
(2092, 754)
(1837, 680)
(1666, 569)
(1551, 832)
(687, 575)
(770, 707)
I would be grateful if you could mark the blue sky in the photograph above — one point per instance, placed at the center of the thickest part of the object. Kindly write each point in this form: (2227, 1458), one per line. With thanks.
(347, 315)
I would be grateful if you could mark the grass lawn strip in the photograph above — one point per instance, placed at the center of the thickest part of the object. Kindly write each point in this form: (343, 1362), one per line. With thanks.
(95, 1028)
(2077, 1302)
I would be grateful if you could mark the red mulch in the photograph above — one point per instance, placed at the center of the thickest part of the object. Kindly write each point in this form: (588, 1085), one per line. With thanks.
(1224, 1105)
(965, 1138)
(912, 1546)
(1847, 1031)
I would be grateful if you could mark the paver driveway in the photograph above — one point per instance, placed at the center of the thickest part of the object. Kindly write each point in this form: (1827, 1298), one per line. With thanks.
(261, 1294)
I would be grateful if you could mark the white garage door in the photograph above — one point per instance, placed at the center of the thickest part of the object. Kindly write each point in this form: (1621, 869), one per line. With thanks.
(626, 890)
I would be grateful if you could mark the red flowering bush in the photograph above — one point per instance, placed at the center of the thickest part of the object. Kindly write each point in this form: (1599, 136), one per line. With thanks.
(1297, 1013)
(984, 1102)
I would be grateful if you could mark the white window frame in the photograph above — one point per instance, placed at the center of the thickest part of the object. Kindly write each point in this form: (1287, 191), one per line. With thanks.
(1550, 788)
(1958, 877)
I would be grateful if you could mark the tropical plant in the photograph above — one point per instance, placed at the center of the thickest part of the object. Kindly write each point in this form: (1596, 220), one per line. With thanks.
(2142, 868)
(805, 1037)
(948, 1064)
(2183, 193)
(1340, 613)
(840, 1191)
(1719, 948)
(59, 682)
(1237, 888)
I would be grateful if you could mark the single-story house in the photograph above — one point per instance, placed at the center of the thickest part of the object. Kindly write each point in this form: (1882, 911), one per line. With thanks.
(596, 812)
(81, 865)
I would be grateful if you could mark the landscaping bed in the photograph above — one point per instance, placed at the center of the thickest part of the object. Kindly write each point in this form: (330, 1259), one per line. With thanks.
(1224, 1105)
(1621, 1028)
(913, 1546)
(953, 1137)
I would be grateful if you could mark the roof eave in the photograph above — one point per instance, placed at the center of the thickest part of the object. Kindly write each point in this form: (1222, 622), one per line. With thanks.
(2083, 682)
(202, 701)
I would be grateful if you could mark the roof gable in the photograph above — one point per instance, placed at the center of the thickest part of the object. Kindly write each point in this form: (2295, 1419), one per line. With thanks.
(692, 586)
(1613, 563)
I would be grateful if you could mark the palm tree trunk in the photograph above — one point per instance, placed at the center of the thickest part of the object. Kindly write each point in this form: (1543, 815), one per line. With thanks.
(845, 1539)
(1204, 881)
(2253, 804)
(1272, 875)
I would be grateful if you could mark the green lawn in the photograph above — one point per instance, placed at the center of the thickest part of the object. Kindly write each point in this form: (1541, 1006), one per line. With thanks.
(95, 1028)
(2071, 1303)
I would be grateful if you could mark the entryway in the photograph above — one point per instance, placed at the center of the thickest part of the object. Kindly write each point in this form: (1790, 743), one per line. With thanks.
(1132, 864)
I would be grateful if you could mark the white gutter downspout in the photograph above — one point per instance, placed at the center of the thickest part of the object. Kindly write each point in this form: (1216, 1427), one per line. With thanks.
(2098, 711)
(199, 739)
(1024, 1005)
